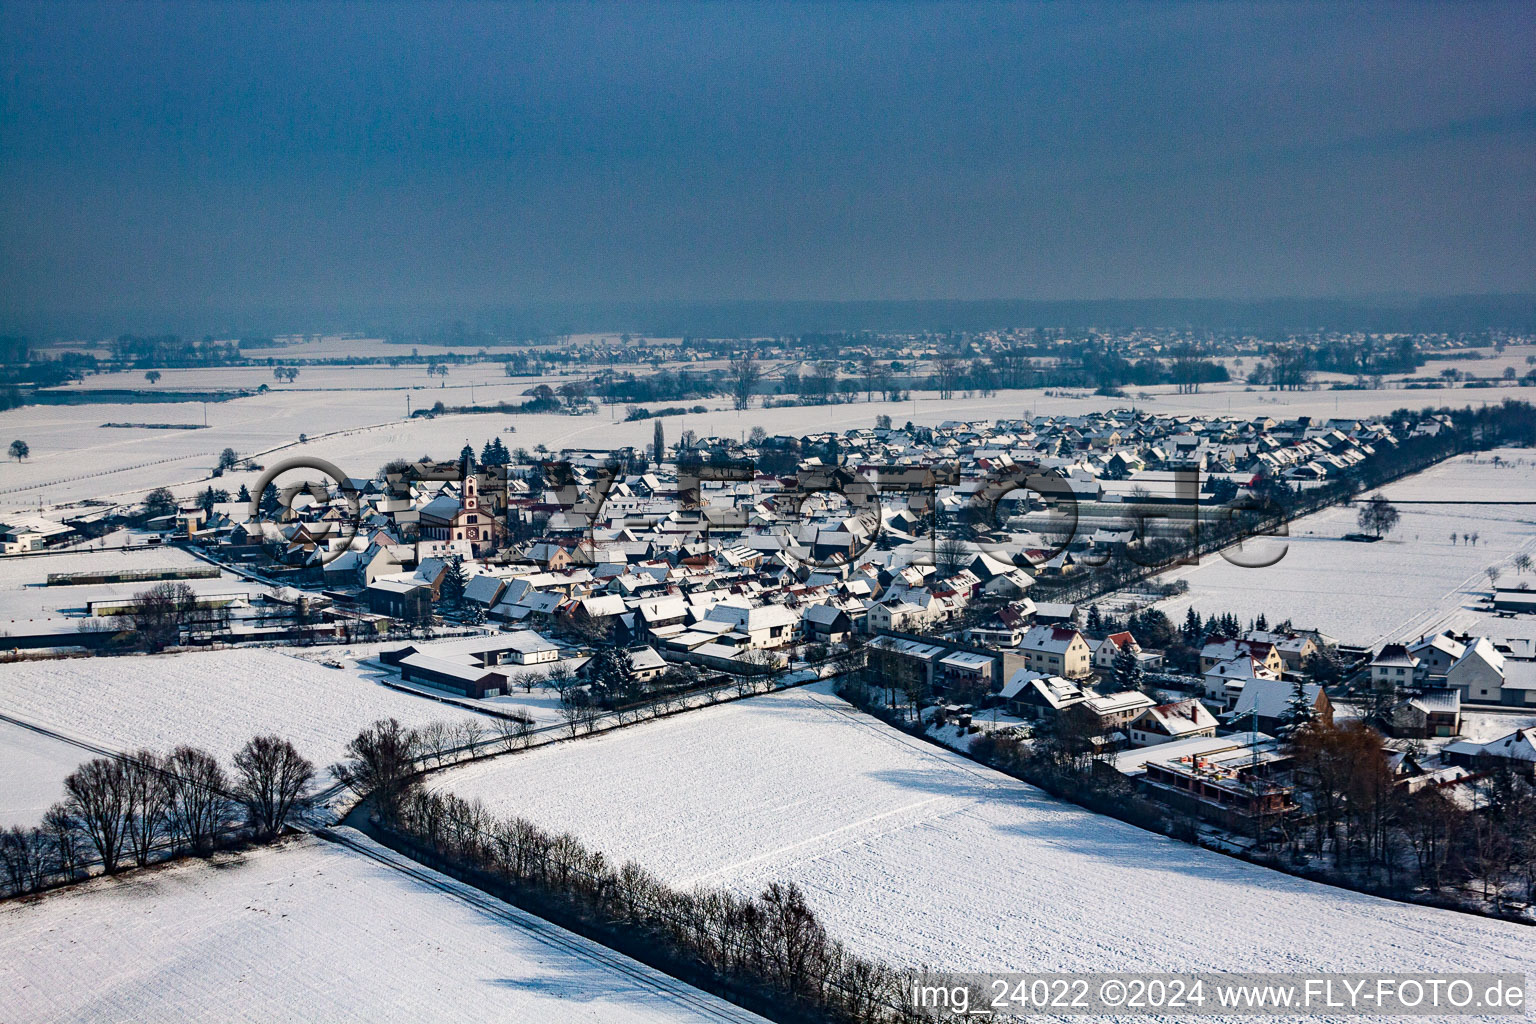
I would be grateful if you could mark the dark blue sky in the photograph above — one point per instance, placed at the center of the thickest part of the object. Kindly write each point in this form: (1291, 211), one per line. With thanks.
(218, 157)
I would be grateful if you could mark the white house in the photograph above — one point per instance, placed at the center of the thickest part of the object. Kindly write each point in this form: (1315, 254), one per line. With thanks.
(767, 626)
(1478, 673)
(1226, 679)
(1180, 720)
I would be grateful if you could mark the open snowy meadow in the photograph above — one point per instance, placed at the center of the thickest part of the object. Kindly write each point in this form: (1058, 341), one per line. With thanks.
(358, 421)
(212, 699)
(32, 771)
(315, 932)
(917, 856)
(1416, 581)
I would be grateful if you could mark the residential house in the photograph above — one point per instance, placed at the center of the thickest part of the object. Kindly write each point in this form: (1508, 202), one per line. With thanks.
(1226, 679)
(1516, 750)
(827, 623)
(1271, 699)
(1165, 723)
(1105, 651)
(1393, 667)
(1478, 673)
(766, 626)
(1220, 649)
(1057, 651)
(1035, 695)
(1113, 712)
(1430, 714)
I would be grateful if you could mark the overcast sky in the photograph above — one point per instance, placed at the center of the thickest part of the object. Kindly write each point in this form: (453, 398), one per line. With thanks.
(223, 157)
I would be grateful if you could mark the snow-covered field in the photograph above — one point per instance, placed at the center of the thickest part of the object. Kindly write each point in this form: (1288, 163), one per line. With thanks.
(314, 932)
(32, 767)
(213, 699)
(915, 855)
(28, 605)
(1416, 581)
(74, 457)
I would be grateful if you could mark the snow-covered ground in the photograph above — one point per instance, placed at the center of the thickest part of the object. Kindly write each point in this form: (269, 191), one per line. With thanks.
(29, 605)
(1415, 581)
(362, 427)
(212, 699)
(915, 855)
(315, 932)
(32, 767)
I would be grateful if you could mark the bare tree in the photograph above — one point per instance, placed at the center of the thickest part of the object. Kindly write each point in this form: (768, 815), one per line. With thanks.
(436, 739)
(380, 762)
(560, 678)
(98, 798)
(1494, 572)
(572, 710)
(471, 734)
(63, 829)
(272, 781)
(24, 858)
(1378, 515)
(744, 374)
(514, 733)
(149, 802)
(947, 371)
(950, 555)
(199, 801)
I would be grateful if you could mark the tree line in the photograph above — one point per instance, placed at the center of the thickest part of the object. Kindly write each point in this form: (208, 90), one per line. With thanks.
(131, 809)
(770, 950)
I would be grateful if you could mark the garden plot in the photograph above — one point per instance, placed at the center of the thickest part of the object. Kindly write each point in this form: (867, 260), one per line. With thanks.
(315, 932)
(212, 699)
(915, 855)
(1417, 581)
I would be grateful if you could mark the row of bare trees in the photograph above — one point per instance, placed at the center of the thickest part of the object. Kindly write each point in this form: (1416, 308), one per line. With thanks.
(385, 758)
(135, 808)
(772, 945)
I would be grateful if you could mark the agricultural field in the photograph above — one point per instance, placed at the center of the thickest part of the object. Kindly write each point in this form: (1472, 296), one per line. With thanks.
(1416, 581)
(314, 931)
(33, 767)
(915, 855)
(213, 699)
(360, 428)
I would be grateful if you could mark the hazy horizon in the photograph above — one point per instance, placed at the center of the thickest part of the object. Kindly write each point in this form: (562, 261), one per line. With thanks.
(245, 167)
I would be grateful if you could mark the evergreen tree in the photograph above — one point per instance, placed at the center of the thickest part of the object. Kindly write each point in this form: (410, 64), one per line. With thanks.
(1127, 669)
(455, 579)
(1095, 620)
(269, 500)
(1261, 623)
(658, 444)
(503, 457)
(1192, 628)
(612, 673)
(1299, 712)
(487, 454)
(244, 495)
(467, 454)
